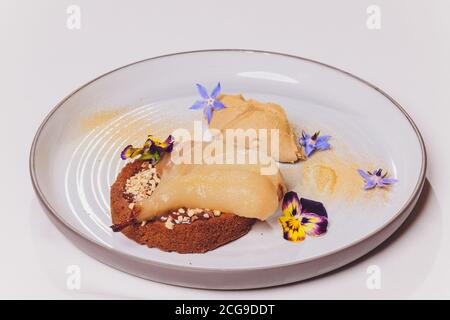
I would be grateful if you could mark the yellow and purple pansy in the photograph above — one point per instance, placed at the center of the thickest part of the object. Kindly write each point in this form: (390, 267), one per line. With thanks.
(314, 142)
(375, 179)
(209, 102)
(302, 217)
(152, 149)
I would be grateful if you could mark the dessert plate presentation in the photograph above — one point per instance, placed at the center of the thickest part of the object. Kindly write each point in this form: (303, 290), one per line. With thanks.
(332, 167)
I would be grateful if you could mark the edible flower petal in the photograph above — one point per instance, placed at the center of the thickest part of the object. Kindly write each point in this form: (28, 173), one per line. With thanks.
(216, 91)
(152, 156)
(202, 91)
(314, 142)
(165, 146)
(199, 104)
(152, 149)
(209, 102)
(376, 178)
(292, 230)
(297, 221)
(313, 206)
(126, 153)
(291, 204)
(313, 224)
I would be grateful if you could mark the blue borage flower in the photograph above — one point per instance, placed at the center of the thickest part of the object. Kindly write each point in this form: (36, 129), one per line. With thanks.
(209, 102)
(152, 149)
(314, 142)
(375, 179)
(302, 217)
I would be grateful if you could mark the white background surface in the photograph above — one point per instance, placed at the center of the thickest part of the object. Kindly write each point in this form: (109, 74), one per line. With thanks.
(42, 61)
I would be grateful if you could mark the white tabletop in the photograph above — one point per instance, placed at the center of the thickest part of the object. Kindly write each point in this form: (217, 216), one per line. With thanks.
(42, 61)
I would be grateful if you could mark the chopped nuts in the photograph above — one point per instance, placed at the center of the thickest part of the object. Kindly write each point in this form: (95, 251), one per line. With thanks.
(142, 184)
(169, 224)
(188, 216)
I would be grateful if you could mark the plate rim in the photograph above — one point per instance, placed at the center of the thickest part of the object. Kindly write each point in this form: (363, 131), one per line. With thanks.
(412, 198)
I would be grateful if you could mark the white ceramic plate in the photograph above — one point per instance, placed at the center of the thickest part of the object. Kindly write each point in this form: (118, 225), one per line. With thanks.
(75, 158)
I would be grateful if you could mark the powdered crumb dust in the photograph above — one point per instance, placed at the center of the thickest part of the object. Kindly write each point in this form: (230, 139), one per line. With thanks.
(333, 176)
(100, 118)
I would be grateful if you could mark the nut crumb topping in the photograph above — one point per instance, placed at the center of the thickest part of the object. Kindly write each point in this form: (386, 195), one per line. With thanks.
(142, 184)
(187, 216)
(169, 224)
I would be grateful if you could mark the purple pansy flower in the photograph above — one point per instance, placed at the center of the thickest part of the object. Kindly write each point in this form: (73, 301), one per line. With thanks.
(209, 102)
(151, 151)
(314, 142)
(375, 179)
(302, 217)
